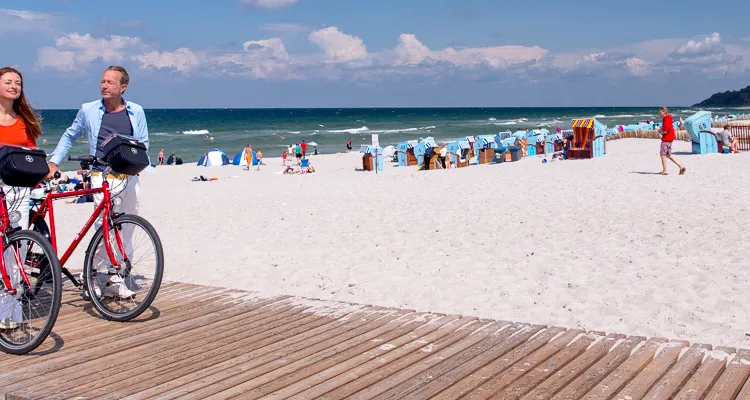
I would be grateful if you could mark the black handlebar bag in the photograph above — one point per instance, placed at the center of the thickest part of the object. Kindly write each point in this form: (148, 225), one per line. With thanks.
(21, 166)
(125, 155)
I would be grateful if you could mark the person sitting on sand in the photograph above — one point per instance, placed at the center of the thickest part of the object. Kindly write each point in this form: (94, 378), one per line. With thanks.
(728, 141)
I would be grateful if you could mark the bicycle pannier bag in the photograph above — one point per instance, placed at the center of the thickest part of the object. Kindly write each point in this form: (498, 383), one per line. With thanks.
(125, 155)
(21, 166)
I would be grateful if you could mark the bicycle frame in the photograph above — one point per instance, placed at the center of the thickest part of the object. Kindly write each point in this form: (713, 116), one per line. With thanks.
(104, 209)
(6, 229)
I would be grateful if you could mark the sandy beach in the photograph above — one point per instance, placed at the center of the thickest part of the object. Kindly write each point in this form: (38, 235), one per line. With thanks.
(598, 244)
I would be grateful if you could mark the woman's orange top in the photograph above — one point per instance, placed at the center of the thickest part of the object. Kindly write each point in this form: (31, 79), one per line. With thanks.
(16, 135)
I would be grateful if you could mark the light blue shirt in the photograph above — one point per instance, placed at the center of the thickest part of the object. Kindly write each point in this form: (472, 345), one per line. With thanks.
(89, 121)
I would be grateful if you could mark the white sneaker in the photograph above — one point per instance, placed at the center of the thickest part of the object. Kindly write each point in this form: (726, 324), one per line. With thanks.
(97, 290)
(8, 324)
(116, 288)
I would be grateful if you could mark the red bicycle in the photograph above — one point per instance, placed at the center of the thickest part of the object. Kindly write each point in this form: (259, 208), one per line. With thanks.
(125, 250)
(31, 289)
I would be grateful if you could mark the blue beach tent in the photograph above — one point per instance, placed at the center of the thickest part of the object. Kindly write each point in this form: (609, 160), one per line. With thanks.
(213, 158)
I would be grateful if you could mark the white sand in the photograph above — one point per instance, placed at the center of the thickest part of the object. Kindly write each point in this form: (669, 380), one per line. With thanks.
(597, 244)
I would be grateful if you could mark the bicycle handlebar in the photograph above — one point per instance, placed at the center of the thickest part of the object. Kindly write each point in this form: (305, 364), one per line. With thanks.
(88, 159)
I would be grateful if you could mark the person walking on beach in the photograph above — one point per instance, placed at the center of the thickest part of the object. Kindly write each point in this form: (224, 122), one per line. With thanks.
(667, 137)
(259, 158)
(248, 156)
(161, 157)
(283, 159)
(298, 151)
(303, 146)
(100, 120)
(349, 145)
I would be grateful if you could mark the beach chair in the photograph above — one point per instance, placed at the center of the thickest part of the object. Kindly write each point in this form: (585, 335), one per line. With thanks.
(484, 149)
(703, 139)
(421, 148)
(372, 158)
(405, 153)
(588, 139)
(458, 151)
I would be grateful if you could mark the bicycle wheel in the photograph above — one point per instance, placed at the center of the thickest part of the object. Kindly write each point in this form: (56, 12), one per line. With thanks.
(124, 293)
(35, 305)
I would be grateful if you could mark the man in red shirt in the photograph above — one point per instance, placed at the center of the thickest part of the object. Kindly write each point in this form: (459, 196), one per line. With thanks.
(667, 137)
(303, 145)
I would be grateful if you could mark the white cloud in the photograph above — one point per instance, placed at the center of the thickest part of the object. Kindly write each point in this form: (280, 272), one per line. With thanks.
(694, 48)
(271, 3)
(88, 48)
(182, 60)
(25, 21)
(263, 59)
(50, 57)
(338, 46)
(74, 51)
(410, 51)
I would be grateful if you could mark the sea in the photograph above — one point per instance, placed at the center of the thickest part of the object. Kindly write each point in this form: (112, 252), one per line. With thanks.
(187, 132)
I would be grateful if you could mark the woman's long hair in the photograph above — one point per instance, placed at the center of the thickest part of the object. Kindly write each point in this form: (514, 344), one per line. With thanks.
(24, 110)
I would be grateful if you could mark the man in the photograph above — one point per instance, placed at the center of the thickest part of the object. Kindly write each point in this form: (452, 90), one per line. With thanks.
(667, 137)
(99, 120)
(303, 146)
(726, 140)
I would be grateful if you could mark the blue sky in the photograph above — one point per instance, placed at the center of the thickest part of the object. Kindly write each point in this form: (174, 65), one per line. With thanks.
(364, 53)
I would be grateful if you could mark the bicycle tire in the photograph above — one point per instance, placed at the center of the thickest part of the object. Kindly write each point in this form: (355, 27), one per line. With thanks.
(54, 278)
(159, 268)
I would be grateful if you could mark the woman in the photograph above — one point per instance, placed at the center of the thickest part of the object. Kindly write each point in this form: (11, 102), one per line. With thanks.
(19, 126)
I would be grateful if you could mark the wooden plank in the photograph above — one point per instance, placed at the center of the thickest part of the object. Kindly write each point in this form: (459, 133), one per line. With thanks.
(707, 374)
(430, 355)
(326, 371)
(246, 359)
(665, 357)
(730, 383)
(232, 391)
(745, 392)
(70, 382)
(30, 367)
(421, 385)
(98, 332)
(466, 366)
(429, 332)
(265, 379)
(284, 382)
(615, 381)
(500, 373)
(264, 338)
(535, 376)
(570, 372)
(383, 366)
(597, 372)
(668, 385)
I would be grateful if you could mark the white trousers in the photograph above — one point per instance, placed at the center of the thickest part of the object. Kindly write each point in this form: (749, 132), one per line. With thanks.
(17, 198)
(127, 191)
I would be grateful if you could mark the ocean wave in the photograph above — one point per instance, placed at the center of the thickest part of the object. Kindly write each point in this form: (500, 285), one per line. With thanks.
(491, 119)
(423, 128)
(159, 134)
(365, 129)
(196, 132)
(600, 116)
(350, 130)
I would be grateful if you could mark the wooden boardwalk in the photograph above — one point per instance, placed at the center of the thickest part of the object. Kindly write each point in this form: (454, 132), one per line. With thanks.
(209, 343)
